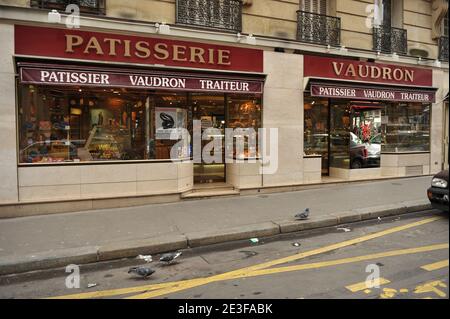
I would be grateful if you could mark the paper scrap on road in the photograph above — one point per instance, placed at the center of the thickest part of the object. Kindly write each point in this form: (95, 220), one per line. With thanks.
(147, 258)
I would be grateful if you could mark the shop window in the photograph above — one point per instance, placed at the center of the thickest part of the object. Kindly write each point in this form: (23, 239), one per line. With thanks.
(169, 114)
(355, 138)
(69, 124)
(244, 112)
(340, 126)
(365, 135)
(406, 127)
(74, 124)
(316, 134)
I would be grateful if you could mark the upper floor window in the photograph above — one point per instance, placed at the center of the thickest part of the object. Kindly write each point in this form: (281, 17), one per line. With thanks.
(314, 26)
(218, 14)
(383, 13)
(86, 6)
(388, 34)
(314, 6)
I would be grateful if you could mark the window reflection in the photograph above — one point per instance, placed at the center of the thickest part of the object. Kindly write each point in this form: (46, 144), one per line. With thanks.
(72, 124)
(244, 112)
(407, 127)
(316, 129)
(359, 131)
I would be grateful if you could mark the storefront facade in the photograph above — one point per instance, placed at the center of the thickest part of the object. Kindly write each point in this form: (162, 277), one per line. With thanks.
(368, 119)
(104, 130)
(88, 117)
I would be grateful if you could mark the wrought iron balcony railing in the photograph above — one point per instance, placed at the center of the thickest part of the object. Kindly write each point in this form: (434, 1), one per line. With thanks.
(443, 49)
(86, 6)
(387, 39)
(318, 28)
(217, 14)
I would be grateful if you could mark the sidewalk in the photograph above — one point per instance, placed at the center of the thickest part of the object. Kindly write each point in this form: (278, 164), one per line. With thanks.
(39, 242)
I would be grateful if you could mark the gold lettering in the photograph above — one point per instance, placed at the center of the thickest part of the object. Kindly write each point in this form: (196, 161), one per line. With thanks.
(142, 49)
(223, 57)
(373, 74)
(409, 75)
(398, 75)
(337, 70)
(72, 41)
(112, 45)
(360, 70)
(161, 52)
(211, 56)
(387, 73)
(127, 48)
(197, 53)
(177, 51)
(350, 71)
(93, 44)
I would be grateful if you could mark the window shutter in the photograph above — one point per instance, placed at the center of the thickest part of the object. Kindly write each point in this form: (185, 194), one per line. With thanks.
(323, 7)
(314, 6)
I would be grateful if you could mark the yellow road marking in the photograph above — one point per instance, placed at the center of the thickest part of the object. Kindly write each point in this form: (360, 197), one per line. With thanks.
(365, 285)
(388, 293)
(343, 244)
(243, 271)
(271, 271)
(432, 287)
(119, 291)
(435, 266)
(322, 264)
(403, 290)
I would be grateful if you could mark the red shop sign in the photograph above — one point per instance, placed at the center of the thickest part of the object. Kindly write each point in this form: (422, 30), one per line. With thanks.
(158, 80)
(344, 69)
(377, 94)
(87, 45)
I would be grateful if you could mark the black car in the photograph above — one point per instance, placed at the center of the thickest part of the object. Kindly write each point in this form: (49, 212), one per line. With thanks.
(438, 192)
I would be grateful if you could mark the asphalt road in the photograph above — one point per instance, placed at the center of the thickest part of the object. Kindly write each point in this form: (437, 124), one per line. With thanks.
(399, 257)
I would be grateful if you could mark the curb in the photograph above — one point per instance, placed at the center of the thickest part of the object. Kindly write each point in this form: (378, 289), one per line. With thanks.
(164, 243)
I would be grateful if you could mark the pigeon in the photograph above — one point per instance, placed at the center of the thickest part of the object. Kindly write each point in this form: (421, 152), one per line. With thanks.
(303, 215)
(141, 271)
(169, 257)
(248, 253)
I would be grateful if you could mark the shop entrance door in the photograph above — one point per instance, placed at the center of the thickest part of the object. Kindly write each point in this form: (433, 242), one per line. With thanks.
(209, 109)
(355, 134)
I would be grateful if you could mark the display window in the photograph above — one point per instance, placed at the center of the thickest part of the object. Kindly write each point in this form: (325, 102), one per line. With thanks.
(71, 124)
(406, 127)
(60, 124)
(353, 134)
(316, 129)
(244, 112)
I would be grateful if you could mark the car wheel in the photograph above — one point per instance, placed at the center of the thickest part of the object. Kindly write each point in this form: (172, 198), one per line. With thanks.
(356, 164)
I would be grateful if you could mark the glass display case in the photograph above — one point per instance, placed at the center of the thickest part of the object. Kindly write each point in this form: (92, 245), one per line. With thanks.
(244, 114)
(406, 128)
